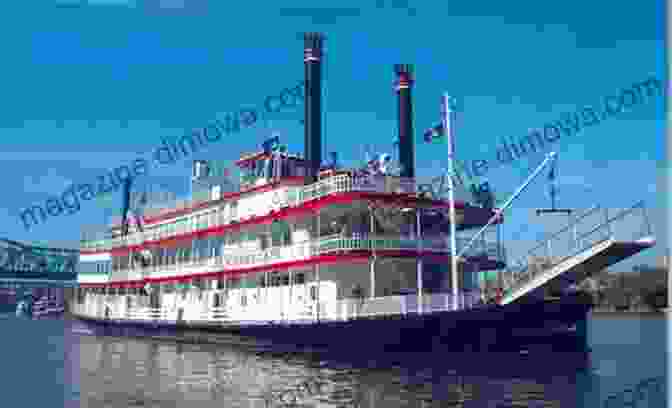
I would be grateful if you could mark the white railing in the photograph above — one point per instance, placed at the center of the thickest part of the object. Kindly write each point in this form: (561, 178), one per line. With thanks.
(585, 231)
(337, 184)
(336, 310)
(241, 258)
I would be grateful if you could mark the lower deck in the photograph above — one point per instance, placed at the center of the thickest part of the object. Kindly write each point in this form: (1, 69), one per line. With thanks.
(327, 291)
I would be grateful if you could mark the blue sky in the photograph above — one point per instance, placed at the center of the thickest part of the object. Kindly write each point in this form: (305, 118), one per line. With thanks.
(88, 88)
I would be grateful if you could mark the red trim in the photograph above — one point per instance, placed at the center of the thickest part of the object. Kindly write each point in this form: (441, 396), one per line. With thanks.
(251, 157)
(262, 155)
(310, 206)
(225, 196)
(351, 256)
(323, 259)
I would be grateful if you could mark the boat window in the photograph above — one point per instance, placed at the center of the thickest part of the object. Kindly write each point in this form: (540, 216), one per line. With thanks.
(299, 278)
(223, 210)
(264, 242)
(285, 280)
(275, 279)
(280, 233)
(220, 284)
(186, 252)
(313, 293)
(218, 243)
(234, 209)
(243, 300)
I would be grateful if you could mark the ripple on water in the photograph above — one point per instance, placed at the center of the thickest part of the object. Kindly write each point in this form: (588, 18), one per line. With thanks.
(123, 372)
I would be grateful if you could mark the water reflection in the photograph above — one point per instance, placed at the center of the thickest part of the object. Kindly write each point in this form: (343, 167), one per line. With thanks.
(124, 372)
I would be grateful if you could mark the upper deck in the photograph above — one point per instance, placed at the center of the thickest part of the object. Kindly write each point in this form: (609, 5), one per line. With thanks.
(274, 200)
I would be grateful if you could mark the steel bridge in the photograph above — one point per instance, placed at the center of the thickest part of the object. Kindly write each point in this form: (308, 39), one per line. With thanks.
(26, 265)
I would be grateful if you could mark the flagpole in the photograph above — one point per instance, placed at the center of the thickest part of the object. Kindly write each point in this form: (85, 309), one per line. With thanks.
(448, 129)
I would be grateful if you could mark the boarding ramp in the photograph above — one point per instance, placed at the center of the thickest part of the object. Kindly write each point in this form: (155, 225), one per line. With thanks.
(591, 242)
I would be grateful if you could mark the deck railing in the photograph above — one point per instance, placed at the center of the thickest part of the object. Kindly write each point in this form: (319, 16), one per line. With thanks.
(585, 231)
(234, 258)
(335, 310)
(297, 196)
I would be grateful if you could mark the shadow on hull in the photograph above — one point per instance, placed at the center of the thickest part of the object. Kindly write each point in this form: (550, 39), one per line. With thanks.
(514, 333)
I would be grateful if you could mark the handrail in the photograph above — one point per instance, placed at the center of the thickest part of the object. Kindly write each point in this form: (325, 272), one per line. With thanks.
(335, 309)
(620, 215)
(565, 229)
(513, 279)
(324, 187)
(323, 245)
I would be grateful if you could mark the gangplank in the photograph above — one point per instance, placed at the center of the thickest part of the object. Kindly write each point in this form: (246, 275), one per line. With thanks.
(587, 254)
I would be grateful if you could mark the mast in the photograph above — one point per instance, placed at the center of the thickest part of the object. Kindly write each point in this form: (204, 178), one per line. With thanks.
(447, 115)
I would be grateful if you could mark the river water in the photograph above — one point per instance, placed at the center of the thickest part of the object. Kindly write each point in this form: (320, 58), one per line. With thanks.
(48, 363)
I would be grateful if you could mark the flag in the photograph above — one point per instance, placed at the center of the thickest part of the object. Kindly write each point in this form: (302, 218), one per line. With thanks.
(435, 134)
(271, 144)
(551, 174)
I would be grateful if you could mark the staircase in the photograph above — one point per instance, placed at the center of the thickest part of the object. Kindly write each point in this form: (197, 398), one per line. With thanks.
(590, 243)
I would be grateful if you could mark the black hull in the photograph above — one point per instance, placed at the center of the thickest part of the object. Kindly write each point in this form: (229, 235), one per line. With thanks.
(511, 328)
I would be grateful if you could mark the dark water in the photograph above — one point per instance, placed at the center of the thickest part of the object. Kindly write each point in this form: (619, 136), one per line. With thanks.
(49, 363)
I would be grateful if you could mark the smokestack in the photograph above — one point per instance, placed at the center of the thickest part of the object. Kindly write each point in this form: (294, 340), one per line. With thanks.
(312, 56)
(406, 143)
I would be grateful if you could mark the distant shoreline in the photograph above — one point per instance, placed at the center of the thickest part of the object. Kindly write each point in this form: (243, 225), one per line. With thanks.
(631, 313)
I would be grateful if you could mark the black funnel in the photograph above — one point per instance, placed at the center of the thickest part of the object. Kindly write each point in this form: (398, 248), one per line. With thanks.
(312, 56)
(403, 86)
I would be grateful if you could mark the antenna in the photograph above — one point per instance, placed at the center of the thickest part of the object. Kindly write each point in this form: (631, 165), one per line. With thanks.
(552, 176)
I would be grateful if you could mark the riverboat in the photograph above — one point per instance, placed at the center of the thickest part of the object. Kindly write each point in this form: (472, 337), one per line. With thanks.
(319, 255)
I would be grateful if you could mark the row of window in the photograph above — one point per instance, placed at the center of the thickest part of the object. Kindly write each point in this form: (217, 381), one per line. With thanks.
(99, 267)
(273, 279)
(262, 280)
(203, 248)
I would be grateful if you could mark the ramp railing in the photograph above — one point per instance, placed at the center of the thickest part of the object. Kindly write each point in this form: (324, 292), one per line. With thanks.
(585, 231)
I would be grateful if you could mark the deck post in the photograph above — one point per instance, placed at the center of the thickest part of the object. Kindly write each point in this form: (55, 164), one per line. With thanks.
(266, 285)
(291, 292)
(372, 263)
(372, 273)
(419, 261)
(317, 267)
